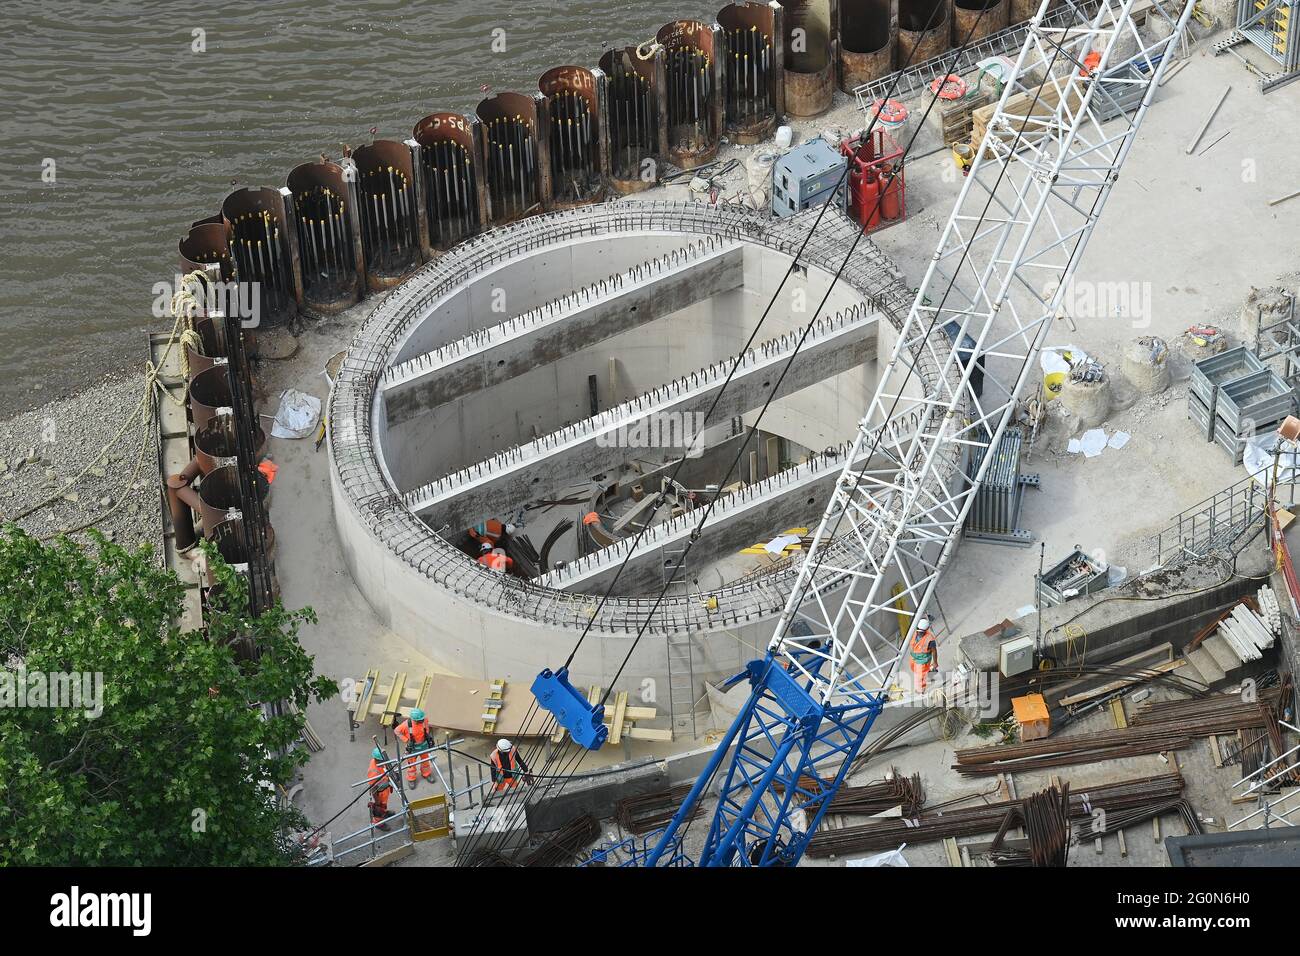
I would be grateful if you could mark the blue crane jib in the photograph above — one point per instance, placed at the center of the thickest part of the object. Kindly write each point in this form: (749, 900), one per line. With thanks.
(584, 721)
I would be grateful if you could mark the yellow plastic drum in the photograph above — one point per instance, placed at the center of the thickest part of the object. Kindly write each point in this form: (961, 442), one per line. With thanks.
(1053, 382)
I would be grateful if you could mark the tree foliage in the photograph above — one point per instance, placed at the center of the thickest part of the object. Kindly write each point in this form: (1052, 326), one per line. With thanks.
(182, 765)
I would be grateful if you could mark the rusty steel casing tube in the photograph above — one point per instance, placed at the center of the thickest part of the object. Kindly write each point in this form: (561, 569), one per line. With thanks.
(752, 70)
(452, 188)
(868, 41)
(692, 94)
(389, 212)
(328, 235)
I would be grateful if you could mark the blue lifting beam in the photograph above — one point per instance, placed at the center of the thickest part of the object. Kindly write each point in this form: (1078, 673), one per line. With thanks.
(585, 722)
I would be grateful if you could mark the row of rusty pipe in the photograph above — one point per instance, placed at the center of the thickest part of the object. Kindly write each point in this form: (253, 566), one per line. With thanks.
(341, 228)
(208, 485)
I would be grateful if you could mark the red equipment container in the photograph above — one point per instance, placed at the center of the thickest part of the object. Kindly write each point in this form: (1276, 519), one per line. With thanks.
(874, 197)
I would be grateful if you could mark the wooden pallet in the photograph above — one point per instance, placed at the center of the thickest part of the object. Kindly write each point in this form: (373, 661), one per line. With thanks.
(391, 694)
(954, 119)
(492, 704)
(1019, 111)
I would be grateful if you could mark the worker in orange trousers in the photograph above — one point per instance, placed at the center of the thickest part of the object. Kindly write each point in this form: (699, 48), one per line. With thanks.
(381, 788)
(923, 654)
(508, 767)
(416, 734)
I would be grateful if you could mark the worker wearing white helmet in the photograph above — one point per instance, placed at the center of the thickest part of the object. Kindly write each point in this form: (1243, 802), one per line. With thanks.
(508, 767)
(923, 654)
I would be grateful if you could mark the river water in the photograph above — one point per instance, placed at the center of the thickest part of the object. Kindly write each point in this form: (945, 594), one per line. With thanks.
(142, 134)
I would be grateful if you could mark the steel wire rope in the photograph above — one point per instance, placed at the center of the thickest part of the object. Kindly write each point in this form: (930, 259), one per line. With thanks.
(736, 364)
(1058, 48)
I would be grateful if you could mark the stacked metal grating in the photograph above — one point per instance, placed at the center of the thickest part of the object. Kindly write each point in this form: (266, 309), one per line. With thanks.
(995, 513)
(1232, 397)
(806, 176)
(1119, 92)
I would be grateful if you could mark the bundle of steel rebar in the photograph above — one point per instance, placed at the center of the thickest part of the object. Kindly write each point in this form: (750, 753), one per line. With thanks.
(649, 811)
(1045, 817)
(887, 833)
(1100, 825)
(1219, 714)
(1065, 751)
(564, 845)
(893, 791)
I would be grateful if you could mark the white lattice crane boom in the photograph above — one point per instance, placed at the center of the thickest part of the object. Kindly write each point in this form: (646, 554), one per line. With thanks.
(1005, 259)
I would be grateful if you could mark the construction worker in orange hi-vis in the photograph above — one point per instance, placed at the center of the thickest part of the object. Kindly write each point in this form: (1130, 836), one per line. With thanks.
(491, 532)
(418, 738)
(508, 767)
(923, 654)
(381, 788)
(494, 559)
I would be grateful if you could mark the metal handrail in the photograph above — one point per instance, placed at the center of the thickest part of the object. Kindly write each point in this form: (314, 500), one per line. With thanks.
(1216, 520)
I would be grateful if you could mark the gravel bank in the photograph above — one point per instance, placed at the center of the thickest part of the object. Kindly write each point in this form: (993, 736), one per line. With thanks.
(43, 449)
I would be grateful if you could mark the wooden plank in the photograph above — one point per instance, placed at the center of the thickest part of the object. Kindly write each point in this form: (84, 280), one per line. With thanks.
(1117, 684)
(393, 700)
(1117, 713)
(368, 685)
(492, 705)
(1123, 846)
(649, 733)
(954, 854)
(642, 713)
(1215, 751)
(392, 856)
(620, 714)
(422, 696)
(1039, 102)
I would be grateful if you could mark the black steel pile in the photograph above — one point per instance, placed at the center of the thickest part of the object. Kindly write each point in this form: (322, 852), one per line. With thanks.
(887, 834)
(652, 810)
(881, 795)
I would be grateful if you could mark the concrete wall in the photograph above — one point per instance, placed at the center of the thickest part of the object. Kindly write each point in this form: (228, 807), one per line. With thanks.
(470, 429)
(477, 623)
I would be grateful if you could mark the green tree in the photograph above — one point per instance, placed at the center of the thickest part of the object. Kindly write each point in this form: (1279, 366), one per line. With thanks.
(183, 764)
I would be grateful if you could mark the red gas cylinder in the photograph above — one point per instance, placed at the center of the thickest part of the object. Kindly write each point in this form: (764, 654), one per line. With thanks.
(891, 204)
(868, 200)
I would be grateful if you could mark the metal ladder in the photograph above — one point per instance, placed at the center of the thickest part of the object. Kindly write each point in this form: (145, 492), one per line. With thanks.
(681, 683)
